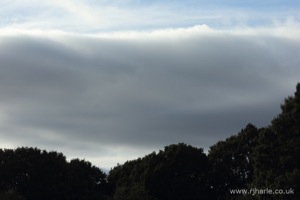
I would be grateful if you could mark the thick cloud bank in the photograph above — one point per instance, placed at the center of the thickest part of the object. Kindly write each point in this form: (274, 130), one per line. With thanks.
(113, 97)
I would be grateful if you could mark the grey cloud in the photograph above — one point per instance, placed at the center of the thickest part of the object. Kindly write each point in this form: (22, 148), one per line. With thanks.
(95, 94)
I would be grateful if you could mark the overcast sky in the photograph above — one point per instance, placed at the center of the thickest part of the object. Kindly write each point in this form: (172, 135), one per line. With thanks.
(111, 81)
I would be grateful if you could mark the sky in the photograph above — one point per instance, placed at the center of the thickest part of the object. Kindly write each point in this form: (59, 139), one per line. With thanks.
(111, 81)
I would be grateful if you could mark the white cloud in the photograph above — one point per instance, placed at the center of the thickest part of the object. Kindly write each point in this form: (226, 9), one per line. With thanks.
(106, 16)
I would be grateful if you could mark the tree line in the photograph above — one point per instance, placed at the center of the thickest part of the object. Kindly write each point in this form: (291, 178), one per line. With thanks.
(255, 158)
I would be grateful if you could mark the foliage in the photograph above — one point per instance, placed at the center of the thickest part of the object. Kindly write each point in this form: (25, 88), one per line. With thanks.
(277, 163)
(178, 172)
(232, 164)
(10, 195)
(261, 158)
(37, 174)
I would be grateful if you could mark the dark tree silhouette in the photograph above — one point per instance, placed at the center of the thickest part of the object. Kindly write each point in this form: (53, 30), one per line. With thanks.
(277, 163)
(178, 172)
(37, 174)
(232, 164)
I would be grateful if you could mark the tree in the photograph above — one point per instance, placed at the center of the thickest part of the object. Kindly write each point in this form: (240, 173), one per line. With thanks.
(181, 174)
(264, 158)
(127, 181)
(85, 181)
(10, 195)
(37, 174)
(178, 172)
(277, 163)
(232, 164)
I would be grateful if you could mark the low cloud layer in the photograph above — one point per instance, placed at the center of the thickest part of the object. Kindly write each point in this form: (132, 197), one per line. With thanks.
(113, 97)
